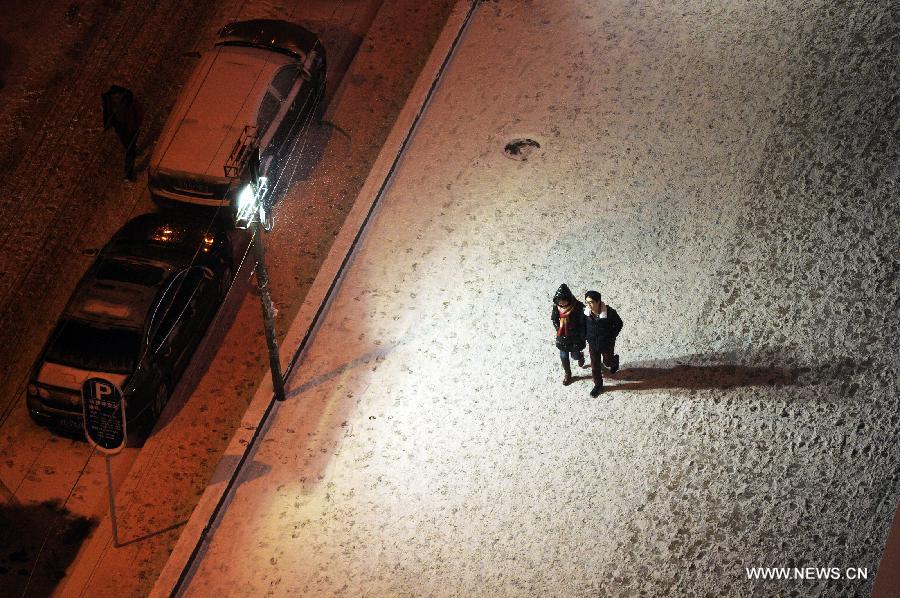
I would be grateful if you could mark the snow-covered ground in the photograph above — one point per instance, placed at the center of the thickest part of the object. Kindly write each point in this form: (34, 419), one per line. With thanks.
(726, 175)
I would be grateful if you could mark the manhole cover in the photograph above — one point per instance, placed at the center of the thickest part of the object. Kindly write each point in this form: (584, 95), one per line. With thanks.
(520, 149)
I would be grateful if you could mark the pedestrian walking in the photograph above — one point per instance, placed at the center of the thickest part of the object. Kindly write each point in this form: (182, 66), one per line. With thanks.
(602, 326)
(123, 112)
(568, 319)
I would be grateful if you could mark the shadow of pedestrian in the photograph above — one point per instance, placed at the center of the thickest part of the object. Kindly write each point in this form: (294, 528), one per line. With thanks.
(694, 377)
(695, 372)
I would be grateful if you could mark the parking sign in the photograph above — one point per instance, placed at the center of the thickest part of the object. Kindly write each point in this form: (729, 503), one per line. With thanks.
(104, 415)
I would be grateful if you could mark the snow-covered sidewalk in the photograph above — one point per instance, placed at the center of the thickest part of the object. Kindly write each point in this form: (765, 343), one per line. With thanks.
(726, 176)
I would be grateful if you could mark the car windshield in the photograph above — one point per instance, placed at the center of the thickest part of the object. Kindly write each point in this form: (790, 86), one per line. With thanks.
(87, 347)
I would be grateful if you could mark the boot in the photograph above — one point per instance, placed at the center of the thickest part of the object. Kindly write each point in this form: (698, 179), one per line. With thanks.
(598, 388)
(615, 365)
(567, 378)
(581, 360)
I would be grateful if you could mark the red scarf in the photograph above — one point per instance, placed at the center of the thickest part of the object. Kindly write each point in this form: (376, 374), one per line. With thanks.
(563, 320)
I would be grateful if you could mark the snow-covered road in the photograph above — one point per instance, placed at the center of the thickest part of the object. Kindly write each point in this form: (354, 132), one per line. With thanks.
(63, 190)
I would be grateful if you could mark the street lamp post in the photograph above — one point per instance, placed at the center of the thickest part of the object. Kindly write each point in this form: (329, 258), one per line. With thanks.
(250, 213)
(268, 310)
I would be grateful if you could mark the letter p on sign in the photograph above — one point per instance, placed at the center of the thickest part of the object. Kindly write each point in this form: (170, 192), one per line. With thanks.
(102, 389)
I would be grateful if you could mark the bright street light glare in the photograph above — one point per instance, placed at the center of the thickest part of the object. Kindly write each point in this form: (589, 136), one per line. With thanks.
(246, 202)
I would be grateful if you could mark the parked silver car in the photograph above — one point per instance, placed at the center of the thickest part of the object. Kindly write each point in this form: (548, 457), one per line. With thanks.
(259, 85)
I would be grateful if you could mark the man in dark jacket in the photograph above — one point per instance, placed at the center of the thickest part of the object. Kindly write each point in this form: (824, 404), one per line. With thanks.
(568, 319)
(602, 326)
(122, 112)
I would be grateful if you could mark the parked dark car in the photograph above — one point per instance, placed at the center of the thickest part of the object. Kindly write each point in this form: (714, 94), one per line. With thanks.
(135, 318)
(260, 84)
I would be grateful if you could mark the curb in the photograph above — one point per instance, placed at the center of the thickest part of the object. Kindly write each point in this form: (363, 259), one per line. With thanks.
(179, 567)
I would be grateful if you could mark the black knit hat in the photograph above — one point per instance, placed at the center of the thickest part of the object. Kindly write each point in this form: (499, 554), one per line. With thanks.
(563, 292)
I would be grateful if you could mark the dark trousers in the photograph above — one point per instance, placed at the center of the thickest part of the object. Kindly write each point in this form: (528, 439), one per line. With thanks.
(130, 143)
(564, 355)
(597, 353)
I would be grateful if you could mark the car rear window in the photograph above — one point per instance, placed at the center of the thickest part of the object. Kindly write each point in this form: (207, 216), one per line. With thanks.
(83, 346)
(130, 272)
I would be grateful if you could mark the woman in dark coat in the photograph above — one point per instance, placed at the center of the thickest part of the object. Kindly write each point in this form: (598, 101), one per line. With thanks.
(568, 320)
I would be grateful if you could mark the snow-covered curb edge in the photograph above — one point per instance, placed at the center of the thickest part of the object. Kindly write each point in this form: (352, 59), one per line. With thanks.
(315, 303)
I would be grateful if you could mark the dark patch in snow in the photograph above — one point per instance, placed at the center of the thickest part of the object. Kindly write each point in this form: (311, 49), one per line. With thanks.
(520, 149)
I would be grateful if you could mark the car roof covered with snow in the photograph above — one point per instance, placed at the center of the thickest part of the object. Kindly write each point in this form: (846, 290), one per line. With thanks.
(222, 96)
(118, 292)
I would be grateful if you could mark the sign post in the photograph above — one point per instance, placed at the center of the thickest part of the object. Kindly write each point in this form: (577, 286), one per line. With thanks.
(103, 406)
